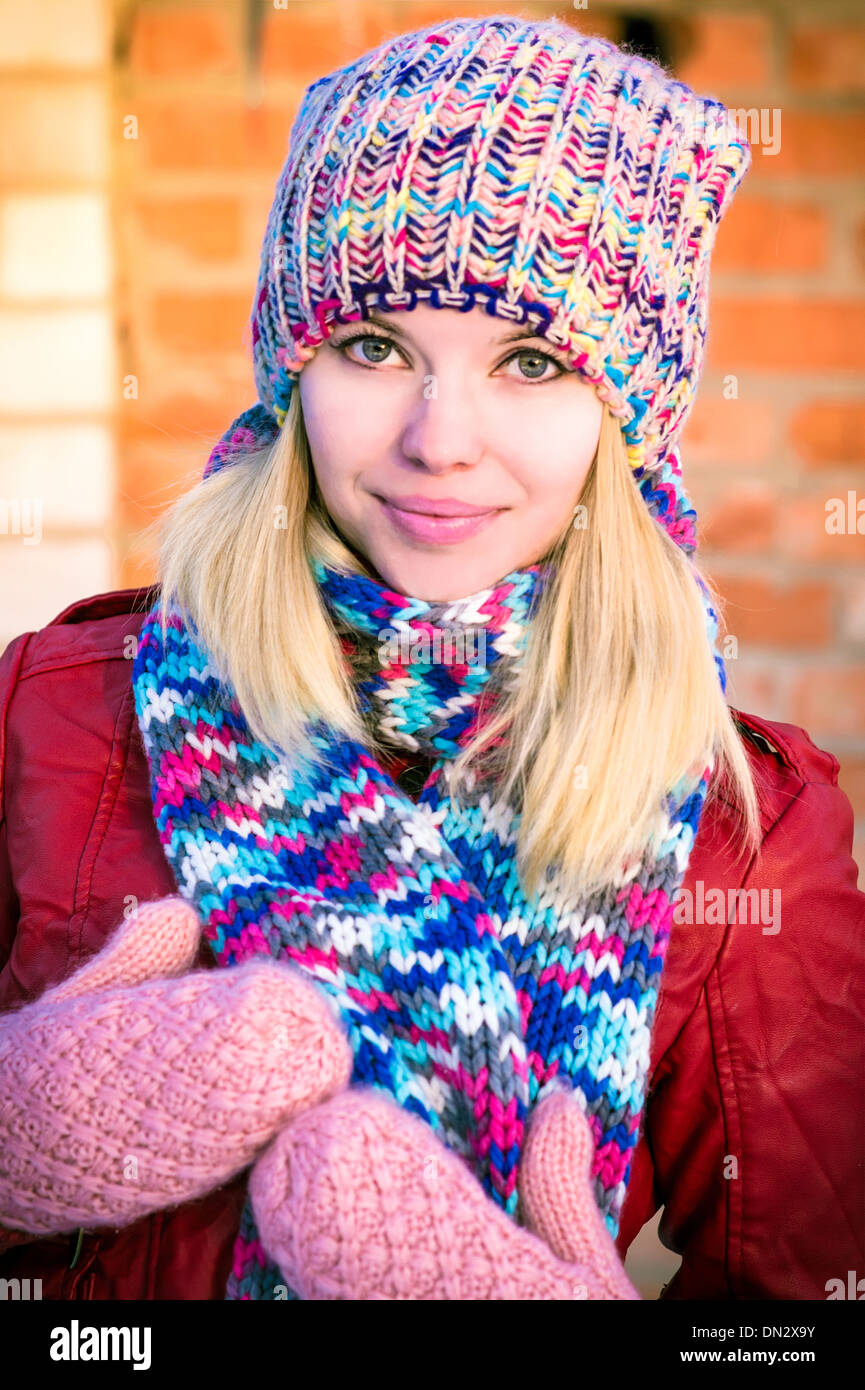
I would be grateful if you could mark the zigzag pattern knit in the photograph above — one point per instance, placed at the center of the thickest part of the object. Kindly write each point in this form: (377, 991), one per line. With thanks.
(461, 998)
(521, 167)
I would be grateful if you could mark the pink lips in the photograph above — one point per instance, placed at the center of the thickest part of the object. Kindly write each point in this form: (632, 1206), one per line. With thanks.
(443, 522)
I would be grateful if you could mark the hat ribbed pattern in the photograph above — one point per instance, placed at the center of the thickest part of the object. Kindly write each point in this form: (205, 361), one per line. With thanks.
(543, 175)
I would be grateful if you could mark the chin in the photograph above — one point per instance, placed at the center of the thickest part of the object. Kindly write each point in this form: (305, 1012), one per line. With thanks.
(440, 578)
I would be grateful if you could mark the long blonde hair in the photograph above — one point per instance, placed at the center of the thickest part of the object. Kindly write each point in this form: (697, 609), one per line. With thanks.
(618, 697)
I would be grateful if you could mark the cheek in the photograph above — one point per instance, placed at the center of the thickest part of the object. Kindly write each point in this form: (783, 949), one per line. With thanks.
(344, 432)
(551, 460)
(338, 436)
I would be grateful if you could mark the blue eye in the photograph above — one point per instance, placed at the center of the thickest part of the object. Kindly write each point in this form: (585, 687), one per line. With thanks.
(539, 357)
(381, 347)
(372, 338)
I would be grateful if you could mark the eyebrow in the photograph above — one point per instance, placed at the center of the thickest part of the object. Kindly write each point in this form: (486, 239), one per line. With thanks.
(515, 336)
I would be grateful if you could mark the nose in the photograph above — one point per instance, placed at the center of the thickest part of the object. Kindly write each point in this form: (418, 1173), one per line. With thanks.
(444, 432)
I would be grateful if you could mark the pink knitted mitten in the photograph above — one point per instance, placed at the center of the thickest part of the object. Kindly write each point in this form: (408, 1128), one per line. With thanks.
(122, 1093)
(358, 1199)
(556, 1198)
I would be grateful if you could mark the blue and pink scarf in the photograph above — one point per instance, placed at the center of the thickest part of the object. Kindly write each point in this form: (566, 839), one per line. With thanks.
(462, 999)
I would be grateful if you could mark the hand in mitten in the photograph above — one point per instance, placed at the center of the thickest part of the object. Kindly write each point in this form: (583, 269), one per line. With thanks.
(358, 1199)
(138, 1083)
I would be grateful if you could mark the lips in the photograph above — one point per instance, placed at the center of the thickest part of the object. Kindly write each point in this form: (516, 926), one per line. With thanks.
(437, 527)
(442, 506)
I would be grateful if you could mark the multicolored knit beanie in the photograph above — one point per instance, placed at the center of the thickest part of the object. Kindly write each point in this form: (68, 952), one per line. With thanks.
(541, 174)
(552, 179)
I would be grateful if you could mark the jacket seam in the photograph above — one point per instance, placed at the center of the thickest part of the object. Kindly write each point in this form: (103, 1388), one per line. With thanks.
(740, 884)
(69, 616)
(674, 1042)
(48, 664)
(762, 784)
(733, 1197)
(13, 685)
(703, 999)
(81, 1281)
(740, 1191)
(682, 1271)
(783, 749)
(154, 1240)
(105, 803)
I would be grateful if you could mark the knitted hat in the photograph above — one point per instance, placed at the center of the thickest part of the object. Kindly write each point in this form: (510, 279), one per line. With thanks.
(521, 166)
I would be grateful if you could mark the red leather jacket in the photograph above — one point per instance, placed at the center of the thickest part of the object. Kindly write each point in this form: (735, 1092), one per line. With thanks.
(753, 1133)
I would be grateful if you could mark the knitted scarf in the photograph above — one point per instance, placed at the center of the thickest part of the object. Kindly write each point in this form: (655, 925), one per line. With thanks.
(462, 999)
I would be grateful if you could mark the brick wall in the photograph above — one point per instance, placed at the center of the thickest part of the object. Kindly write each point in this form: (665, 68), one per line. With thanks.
(57, 343)
(777, 429)
(139, 147)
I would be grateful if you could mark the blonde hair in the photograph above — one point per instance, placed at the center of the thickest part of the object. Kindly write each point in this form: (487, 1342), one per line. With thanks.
(618, 685)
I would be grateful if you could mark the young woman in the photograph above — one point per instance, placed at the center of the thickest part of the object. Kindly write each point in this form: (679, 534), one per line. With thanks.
(424, 734)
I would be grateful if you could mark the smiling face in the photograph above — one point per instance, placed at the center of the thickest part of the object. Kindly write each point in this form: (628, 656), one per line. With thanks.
(431, 411)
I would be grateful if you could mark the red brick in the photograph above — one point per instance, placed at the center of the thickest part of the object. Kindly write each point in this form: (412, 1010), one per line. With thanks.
(827, 58)
(417, 14)
(226, 136)
(829, 433)
(304, 42)
(166, 436)
(752, 687)
(761, 613)
(852, 597)
(185, 419)
(829, 701)
(802, 535)
(825, 144)
(851, 780)
(207, 322)
(739, 524)
(786, 332)
(184, 43)
(136, 571)
(772, 235)
(726, 52)
(739, 432)
(151, 477)
(206, 228)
